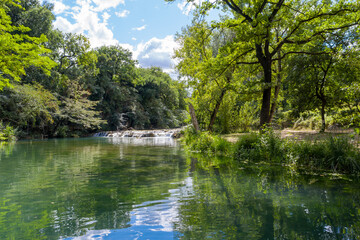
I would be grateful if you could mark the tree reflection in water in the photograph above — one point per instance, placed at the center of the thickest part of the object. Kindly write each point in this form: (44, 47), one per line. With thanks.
(100, 189)
(231, 201)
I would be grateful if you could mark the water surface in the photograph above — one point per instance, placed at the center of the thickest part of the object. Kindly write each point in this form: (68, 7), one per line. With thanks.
(101, 188)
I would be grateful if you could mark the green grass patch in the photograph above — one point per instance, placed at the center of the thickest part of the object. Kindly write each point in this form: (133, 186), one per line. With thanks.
(333, 154)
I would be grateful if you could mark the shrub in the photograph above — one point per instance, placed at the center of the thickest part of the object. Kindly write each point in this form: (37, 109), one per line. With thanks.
(220, 146)
(272, 147)
(332, 154)
(205, 142)
(7, 132)
(246, 148)
(335, 154)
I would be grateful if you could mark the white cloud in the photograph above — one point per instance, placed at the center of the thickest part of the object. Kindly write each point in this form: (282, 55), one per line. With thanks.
(63, 25)
(106, 16)
(123, 13)
(157, 52)
(140, 28)
(86, 20)
(187, 7)
(127, 46)
(106, 4)
(59, 7)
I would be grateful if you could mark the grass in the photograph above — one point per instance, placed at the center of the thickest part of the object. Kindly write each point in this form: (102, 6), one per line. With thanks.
(332, 154)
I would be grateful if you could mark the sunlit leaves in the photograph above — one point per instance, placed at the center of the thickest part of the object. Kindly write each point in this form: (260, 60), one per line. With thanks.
(19, 51)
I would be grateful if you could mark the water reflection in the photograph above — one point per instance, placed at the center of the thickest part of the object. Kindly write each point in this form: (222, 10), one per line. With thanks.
(150, 219)
(100, 189)
(264, 202)
(145, 141)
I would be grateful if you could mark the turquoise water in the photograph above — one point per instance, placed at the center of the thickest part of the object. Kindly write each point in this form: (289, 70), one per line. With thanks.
(99, 188)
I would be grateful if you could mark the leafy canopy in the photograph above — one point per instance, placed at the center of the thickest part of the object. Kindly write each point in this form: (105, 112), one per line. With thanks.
(18, 50)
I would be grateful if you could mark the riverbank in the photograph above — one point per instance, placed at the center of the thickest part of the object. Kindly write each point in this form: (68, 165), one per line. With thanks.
(336, 154)
(304, 134)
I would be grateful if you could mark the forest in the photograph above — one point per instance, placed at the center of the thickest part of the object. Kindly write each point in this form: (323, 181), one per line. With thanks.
(279, 64)
(290, 64)
(264, 66)
(53, 84)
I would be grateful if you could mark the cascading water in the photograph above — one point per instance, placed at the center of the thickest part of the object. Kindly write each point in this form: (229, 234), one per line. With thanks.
(167, 133)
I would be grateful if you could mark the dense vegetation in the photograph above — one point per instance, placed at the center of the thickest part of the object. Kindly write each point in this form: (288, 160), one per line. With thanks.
(273, 63)
(280, 64)
(334, 154)
(53, 84)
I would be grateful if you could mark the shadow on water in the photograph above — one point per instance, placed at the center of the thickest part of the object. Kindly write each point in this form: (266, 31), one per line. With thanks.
(103, 188)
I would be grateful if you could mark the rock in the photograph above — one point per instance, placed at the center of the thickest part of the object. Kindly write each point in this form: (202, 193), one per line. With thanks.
(148, 135)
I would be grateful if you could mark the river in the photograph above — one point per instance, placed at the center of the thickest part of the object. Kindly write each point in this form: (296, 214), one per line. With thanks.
(108, 188)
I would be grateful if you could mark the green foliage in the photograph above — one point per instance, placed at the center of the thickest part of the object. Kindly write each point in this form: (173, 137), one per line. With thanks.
(87, 89)
(267, 147)
(19, 51)
(259, 34)
(162, 98)
(29, 107)
(336, 154)
(204, 142)
(77, 112)
(311, 120)
(332, 154)
(246, 148)
(135, 97)
(7, 132)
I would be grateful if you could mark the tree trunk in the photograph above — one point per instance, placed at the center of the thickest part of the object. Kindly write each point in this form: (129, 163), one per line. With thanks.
(322, 111)
(193, 117)
(277, 90)
(216, 109)
(266, 98)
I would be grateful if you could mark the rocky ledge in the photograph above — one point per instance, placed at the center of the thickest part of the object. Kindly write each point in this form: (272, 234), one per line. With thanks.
(162, 133)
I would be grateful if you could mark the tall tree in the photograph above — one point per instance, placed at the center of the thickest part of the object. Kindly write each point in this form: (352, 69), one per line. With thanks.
(18, 50)
(114, 86)
(321, 81)
(162, 98)
(298, 24)
(201, 63)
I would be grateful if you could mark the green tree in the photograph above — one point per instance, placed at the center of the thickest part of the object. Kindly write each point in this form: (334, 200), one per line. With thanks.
(201, 63)
(321, 81)
(31, 108)
(162, 98)
(268, 31)
(18, 50)
(77, 112)
(114, 88)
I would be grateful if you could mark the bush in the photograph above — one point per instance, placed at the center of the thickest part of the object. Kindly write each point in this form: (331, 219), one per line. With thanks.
(332, 154)
(335, 154)
(246, 148)
(7, 132)
(272, 147)
(205, 142)
(312, 120)
(220, 146)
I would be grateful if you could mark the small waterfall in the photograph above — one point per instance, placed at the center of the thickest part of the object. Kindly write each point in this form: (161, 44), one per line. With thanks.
(101, 134)
(166, 133)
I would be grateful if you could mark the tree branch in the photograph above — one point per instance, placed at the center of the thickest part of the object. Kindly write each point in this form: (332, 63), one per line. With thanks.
(276, 10)
(236, 8)
(261, 8)
(286, 39)
(247, 63)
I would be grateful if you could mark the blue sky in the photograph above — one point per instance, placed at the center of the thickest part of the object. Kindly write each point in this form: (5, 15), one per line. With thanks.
(145, 27)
